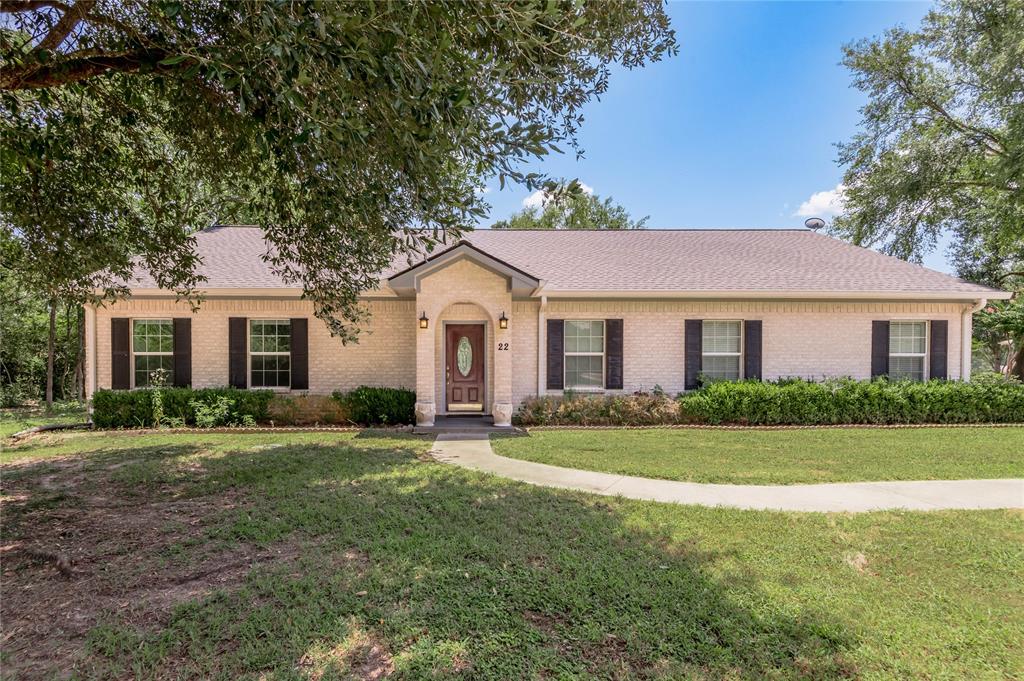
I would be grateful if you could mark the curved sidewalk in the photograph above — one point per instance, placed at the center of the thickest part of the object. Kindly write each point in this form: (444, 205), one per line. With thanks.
(474, 452)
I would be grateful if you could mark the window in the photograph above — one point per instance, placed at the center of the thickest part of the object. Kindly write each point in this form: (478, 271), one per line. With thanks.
(907, 347)
(584, 355)
(152, 349)
(270, 358)
(721, 350)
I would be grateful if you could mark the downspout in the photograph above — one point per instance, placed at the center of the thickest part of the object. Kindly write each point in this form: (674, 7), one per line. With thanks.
(541, 338)
(966, 336)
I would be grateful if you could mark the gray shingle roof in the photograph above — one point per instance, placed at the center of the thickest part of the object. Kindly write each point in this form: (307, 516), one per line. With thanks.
(632, 261)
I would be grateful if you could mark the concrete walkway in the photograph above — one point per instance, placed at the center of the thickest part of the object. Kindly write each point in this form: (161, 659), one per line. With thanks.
(474, 452)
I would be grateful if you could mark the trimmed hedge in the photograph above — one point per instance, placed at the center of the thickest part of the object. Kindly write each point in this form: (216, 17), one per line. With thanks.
(134, 408)
(798, 402)
(791, 402)
(374, 406)
(612, 410)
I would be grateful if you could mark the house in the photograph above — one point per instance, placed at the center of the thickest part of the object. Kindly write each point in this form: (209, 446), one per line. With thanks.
(503, 315)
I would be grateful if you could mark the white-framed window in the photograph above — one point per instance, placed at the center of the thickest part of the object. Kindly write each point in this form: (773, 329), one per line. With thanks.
(584, 354)
(152, 349)
(722, 350)
(270, 353)
(908, 347)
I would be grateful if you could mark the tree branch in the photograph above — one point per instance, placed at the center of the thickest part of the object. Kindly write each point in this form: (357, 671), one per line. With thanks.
(987, 138)
(18, 6)
(65, 25)
(32, 76)
(1006, 276)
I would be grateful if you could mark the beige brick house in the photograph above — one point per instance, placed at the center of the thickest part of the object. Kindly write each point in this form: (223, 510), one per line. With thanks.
(503, 315)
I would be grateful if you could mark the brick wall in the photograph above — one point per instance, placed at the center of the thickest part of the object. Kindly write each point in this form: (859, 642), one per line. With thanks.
(384, 355)
(807, 339)
(810, 339)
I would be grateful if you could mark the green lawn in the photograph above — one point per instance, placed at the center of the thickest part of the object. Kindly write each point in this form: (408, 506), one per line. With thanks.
(339, 555)
(780, 456)
(22, 418)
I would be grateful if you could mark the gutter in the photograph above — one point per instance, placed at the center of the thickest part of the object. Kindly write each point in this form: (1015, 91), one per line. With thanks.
(717, 294)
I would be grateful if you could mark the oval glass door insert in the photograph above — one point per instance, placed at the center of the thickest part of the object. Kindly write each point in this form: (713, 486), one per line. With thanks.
(464, 356)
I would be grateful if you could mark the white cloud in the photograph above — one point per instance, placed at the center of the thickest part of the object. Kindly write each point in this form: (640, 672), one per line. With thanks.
(535, 200)
(540, 197)
(826, 204)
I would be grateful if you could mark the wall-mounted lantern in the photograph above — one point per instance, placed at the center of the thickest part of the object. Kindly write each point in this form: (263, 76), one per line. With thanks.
(502, 321)
(424, 322)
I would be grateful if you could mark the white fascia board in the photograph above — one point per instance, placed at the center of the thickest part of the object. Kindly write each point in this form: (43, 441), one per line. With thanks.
(960, 296)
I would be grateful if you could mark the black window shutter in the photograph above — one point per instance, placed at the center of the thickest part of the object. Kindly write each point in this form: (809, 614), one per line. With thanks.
(120, 353)
(694, 347)
(613, 354)
(300, 354)
(237, 327)
(879, 348)
(556, 352)
(752, 349)
(182, 352)
(938, 354)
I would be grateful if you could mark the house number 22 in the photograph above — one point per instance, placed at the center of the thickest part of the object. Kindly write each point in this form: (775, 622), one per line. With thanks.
(503, 346)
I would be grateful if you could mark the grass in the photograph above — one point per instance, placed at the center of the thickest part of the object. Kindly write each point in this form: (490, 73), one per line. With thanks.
(292, 556)
(22, 418)
(780, 456)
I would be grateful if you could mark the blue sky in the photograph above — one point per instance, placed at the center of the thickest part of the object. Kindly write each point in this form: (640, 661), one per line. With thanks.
(737, 130)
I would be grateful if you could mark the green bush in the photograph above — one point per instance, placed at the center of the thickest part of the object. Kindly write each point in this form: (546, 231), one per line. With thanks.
(846, 401)
(369, 406)
(134, 408)
(790, 402)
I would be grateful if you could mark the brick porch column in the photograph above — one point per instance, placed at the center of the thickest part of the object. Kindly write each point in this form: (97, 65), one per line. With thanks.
(426, 406)
(501, 410)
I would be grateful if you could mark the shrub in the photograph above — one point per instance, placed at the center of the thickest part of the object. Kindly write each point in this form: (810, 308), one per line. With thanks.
(368, 405)
(640, 409)
(306, 410)
(219, 412)
(846, 401)
(135, 408)
(992, 377)
(790, 402)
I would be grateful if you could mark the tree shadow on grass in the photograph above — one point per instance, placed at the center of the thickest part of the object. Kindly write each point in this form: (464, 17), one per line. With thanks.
(411, 569)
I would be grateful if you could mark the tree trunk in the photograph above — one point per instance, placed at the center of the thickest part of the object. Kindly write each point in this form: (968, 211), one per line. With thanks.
(66, 367)
(995, 348)
(80, 356)
(1016, 361)
(50, 348)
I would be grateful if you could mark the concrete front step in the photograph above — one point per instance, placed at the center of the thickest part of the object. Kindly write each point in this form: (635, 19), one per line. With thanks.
(454, 430)
(463, 425)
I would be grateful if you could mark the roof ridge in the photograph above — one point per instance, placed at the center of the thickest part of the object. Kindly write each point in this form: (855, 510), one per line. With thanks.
(650, 230)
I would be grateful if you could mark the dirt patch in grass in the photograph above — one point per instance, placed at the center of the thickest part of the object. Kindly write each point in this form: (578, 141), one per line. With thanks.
(78, 547)
(360, 656)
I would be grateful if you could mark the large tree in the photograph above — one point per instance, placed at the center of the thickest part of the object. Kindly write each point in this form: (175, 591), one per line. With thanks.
(352, 131)
(568, 206)
(941, 145)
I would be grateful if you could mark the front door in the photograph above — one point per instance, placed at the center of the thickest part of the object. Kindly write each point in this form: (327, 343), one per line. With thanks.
(464, 367)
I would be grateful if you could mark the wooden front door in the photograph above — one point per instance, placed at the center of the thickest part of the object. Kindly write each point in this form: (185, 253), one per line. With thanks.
(464, 367)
